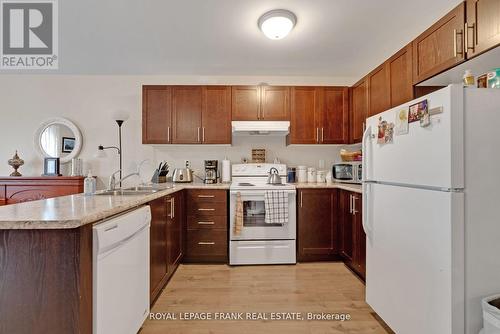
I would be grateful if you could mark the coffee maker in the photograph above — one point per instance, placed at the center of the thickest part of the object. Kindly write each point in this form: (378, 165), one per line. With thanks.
(211, 171)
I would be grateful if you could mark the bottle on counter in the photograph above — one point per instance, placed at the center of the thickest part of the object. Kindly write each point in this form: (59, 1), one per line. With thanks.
(89, 185)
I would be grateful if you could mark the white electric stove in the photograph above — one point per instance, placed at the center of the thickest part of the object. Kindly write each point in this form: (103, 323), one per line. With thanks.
(259, 242)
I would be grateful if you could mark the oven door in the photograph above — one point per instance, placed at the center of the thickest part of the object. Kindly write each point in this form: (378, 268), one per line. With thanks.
(254, 214)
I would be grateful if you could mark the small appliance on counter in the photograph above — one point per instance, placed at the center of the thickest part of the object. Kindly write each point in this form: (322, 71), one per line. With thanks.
(183, 175)
(160, 175)
(347, 172)
(211, 167)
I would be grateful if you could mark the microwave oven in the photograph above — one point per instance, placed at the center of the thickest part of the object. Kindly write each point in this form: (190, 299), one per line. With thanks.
(348, 172)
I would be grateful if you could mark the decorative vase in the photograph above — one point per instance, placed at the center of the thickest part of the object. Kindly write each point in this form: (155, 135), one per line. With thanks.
(16, 162)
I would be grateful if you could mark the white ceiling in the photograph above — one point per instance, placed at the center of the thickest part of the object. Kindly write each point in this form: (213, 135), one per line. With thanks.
(337, 38)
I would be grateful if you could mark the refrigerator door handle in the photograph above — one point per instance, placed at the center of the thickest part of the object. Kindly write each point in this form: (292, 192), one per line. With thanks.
(366, 137)
(366, 209)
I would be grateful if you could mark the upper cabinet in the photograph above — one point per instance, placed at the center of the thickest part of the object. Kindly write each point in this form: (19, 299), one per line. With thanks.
(359, 110)
(186, 115)
(400, 76)
(379, 95)
(441, 46)
(483, 26)
(260, 103)
(319, 115)
(156, 114)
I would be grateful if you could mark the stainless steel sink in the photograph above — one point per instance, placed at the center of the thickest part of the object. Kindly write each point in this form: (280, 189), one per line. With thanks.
(125, 192)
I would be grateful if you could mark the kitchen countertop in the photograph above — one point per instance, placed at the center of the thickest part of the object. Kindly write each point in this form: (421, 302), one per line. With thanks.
(77, 210)
(345, 186)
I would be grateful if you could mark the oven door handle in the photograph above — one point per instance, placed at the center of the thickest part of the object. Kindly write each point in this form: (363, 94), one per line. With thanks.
(257, 192)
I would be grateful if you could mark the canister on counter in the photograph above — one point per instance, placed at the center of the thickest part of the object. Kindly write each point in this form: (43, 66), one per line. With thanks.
(291, 175)
(311, 175)
(301, 174)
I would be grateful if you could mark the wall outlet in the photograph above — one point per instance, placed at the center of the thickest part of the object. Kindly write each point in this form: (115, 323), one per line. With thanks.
(187, 163)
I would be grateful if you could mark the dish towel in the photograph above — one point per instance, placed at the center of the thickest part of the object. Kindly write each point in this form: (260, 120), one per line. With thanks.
(276, 204)
(238, 219)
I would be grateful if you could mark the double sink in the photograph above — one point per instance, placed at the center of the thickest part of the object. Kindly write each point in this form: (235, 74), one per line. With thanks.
(140, 190)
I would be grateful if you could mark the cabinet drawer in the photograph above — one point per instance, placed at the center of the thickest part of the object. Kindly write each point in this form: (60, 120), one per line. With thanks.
(207, 222)
(205, 243)
(207, 208)
(207, 195)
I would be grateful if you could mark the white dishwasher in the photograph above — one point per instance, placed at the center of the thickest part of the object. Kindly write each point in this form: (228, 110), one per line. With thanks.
(121, 272)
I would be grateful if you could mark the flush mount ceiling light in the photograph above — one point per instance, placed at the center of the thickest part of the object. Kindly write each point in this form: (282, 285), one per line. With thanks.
(276, 24)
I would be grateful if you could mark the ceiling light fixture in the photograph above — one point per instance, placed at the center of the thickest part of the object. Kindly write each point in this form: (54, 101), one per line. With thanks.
(278, 23)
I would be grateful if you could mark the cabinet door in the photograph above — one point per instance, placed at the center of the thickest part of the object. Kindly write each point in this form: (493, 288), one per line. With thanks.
(304, 117)
(335, 115)
(359, 110)
(401, 81)
(245, 104)
(275, 103)
(317, 228)
(158, 245)
(186, 114)
(440, 47)
(483, 19)
(379, 96)
(174, 231)
(156, 114)
(359, 256)
(216, 115)
(346, 225)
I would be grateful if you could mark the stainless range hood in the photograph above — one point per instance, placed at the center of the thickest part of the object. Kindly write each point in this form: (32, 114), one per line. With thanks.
(262, 128)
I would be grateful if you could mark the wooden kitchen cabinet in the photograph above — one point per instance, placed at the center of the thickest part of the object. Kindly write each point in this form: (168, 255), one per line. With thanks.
(158, 247)
(206, 227)
(174, 231)
(483, 21)
(216, 115)
(440, 47)
(156, 114)
(260, 103)
(317, 238)
(359, 110)
(400, 76)
(352, 236)
(319, 115)
(304, 116)
(379, 96)
(186, 114)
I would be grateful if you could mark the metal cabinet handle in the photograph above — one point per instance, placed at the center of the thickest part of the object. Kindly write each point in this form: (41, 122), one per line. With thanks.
(455, 50)
(466, 37)
(301, 198)
(168, 134)
(206, 196)
(206, 243)
(206, 209)
(198, 133)
(317, 135)
(350, 204)
(354, 199)
(171, 215)
(322, 134)
(203, 134)
(206, 223)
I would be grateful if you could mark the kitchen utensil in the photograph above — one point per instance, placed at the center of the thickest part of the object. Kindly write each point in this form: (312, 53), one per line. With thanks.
(274, 177)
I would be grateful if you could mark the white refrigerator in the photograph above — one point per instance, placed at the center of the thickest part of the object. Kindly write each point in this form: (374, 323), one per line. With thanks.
(431, 213)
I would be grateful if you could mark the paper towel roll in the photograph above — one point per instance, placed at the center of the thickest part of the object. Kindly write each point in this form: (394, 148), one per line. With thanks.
(226, 170)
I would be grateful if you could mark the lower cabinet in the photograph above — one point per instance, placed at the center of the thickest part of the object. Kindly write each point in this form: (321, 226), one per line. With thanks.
(352, 235)
(330, 227)
(206, 227)
(317, 238)
(166, 240)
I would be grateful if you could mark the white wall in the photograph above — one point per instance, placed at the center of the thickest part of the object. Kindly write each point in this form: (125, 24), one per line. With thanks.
(89, 101)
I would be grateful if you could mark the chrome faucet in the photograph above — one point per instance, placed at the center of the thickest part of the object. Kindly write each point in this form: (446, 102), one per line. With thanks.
(112, 179)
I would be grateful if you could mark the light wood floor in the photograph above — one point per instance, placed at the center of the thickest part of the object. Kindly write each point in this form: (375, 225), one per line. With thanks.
(311, 287)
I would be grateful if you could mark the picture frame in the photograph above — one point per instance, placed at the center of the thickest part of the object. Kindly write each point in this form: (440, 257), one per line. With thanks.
(417, 110)
(51, 167)
(68, 144)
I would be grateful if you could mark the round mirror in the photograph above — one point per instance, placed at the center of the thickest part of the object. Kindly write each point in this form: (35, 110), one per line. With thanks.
(58, 138)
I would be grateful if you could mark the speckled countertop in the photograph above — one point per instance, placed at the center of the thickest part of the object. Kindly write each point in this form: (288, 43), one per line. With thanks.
(78, 210)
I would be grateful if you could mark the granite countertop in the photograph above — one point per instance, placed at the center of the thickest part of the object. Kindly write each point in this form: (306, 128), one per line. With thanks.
(345, 186)
(77, 210)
